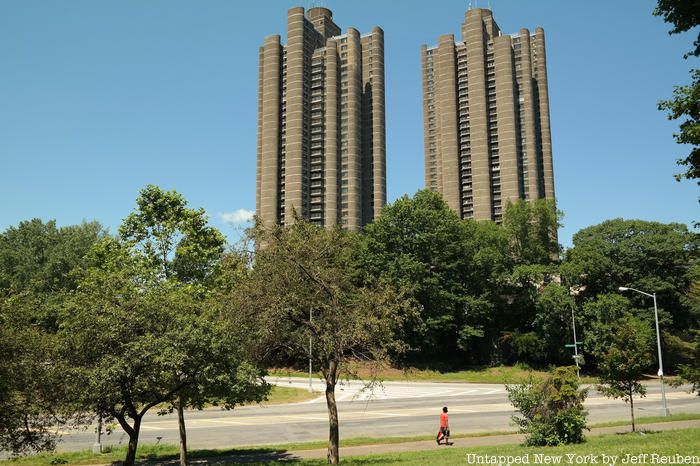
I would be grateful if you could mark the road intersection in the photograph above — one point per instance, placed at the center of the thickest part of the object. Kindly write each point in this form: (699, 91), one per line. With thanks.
(394, 409)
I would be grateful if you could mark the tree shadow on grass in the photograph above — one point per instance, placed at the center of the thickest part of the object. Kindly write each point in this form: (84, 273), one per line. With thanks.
(223, 457)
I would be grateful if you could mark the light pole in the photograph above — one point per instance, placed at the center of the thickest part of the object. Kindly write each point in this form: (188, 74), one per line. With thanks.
(658, 345)
(576, 343)
(311, 318)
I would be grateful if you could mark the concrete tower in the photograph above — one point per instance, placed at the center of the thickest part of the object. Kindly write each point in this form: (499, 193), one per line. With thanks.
(321, 131)
(486, 118)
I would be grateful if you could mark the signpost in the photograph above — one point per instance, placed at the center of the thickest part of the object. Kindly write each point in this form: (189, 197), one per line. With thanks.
(575, 344)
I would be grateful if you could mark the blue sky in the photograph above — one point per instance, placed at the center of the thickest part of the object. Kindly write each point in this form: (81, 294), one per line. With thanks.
(98, 99)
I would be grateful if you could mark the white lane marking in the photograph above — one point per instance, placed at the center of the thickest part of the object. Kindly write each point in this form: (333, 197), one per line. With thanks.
(227, 422)
(383, 414)
(343, 397)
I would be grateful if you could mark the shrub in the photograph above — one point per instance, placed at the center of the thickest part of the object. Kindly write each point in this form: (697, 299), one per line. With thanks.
(551, 411)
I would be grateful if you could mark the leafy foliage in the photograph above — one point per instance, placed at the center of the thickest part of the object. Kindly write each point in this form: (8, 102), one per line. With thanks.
(173, 237)
(304, 290)
(178, 243)
(452, 268)
(140, 330)
(686, 104)
(532, 229)
(36, 264)
(38, 257)
(642, 255)
(684, 15)
(551, 411)
(553, 323)
(28, 408)
(131, 341)
(690, 373)
(623, 364)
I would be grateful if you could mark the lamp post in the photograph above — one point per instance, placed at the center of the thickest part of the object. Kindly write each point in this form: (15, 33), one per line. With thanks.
(311, 317)
(658, 345)
(573, 325)
(575, 345)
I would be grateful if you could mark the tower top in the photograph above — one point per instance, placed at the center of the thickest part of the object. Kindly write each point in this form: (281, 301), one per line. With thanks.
(319, 12)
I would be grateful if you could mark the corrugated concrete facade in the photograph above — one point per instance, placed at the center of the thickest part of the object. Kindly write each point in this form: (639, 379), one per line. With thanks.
(321, 125)
(486, 118)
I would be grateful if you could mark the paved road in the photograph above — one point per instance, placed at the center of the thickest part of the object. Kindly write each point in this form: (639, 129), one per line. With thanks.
(399, 408)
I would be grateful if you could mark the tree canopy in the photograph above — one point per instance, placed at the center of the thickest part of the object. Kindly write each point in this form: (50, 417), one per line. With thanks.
(303, 300)
(37, 264)
(625, 360)
(684, 15)
(649, 256)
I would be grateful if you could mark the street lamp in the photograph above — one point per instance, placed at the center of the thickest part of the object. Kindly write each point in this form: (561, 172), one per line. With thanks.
(576, 343)
(311, 318)
(658, 345)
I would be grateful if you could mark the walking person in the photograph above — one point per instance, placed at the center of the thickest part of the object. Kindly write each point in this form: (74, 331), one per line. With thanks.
(444, 432)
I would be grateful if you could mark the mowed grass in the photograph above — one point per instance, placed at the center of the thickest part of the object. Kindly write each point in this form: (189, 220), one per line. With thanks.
(168, 452)
(280, 394)
(497, 375)
(649, 420)
(668, 444)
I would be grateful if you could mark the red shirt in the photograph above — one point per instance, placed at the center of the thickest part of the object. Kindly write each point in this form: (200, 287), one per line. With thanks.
(443, 420)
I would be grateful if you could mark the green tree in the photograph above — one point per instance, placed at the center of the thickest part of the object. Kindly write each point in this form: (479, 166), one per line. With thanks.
(600, 317)
(179, 244)
(553, 322)
(304, 290)
(532, 229)
(130, 340)
(36, 264)
(551, 411)
(690, 373)
(684, 15)
(652, 256)
(174, 238)
(686, 104)
(623, 364)
(452, 267)
(30, 405)
(38, 257)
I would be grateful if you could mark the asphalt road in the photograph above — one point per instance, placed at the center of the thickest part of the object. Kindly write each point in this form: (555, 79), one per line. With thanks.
(397, 409)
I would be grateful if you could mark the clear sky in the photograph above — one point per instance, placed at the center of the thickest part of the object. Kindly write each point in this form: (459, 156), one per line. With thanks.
(100, 98)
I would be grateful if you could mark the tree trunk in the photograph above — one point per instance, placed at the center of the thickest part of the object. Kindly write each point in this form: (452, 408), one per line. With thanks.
(133, 443)
(333, 435)
(183, 431)
(632, 409)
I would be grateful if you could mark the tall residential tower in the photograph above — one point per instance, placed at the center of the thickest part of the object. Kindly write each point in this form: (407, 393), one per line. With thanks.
(321, 132)
(486, 118)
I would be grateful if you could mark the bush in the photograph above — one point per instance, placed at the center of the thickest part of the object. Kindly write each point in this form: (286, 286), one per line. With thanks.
(552, 410)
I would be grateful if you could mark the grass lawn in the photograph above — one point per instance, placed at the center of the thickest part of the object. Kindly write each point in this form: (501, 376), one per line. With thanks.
(669, 443)
(280, 395)
(163, 452)
(499, 375)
